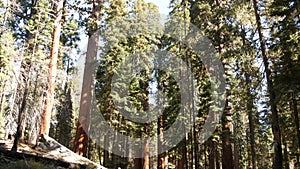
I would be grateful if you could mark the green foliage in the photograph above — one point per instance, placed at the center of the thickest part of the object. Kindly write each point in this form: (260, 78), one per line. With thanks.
(131, 29)
(7, 52)
(24, 164)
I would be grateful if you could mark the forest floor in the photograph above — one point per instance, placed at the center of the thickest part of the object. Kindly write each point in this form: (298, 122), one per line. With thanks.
(58, 157)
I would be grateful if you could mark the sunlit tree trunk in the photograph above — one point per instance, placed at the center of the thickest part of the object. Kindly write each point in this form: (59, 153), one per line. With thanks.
(83, 125)
(46, 116)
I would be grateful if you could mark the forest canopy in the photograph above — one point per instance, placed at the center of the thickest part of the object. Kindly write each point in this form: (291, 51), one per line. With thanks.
(213, 85)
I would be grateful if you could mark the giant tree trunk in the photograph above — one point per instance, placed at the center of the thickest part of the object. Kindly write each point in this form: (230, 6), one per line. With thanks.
(83, 126)
(275, 119)
(46, 116)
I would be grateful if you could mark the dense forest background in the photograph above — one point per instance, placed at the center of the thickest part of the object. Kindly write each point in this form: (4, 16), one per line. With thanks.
(256, 41)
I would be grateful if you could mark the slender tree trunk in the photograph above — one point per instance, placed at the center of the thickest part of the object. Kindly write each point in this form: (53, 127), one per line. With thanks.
(275, 118)
(32, 133)
(211, 155)
(83, 126)
(251, 123)
(296, 121)
(22, 115)
(146, 155)
(128, 151)
(46, 116)
(227, 156)
(106, 153)
(22, 110)
(250, 111)
(161, 159)
(285, 155)
(116, 148)
(145, 103)
(21, 122)
(65, 117)
(217, 154)
(2, 96)
(138, 162)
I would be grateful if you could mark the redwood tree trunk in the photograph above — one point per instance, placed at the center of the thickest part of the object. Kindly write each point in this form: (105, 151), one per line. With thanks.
(46, 116)
(83, 126)
(227, 156)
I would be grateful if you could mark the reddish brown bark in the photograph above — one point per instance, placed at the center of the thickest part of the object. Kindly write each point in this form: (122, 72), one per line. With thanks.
(83, 126)
(81, 143)
(46, 116)
(146, 155)
(227, 156)
(180, 163)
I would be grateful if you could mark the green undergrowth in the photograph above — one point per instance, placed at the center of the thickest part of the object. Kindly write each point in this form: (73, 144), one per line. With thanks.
(12, 163)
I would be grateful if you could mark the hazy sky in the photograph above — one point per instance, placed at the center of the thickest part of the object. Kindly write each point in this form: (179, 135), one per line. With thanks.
(162, 4)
